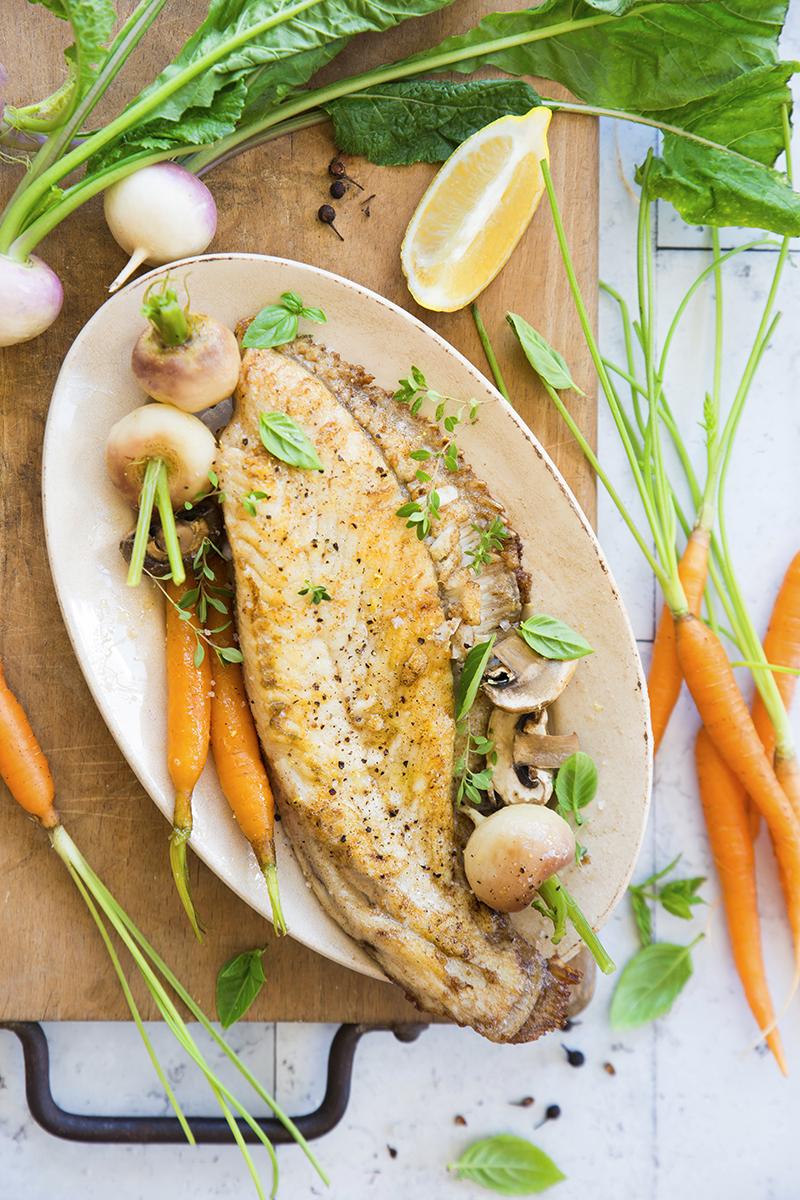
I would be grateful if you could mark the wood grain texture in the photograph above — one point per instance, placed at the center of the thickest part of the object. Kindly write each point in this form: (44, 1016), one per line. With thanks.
(52, 963)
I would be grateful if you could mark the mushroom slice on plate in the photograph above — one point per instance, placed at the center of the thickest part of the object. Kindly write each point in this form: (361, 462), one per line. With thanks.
(519, 680)
(535, 747)
(514, 782)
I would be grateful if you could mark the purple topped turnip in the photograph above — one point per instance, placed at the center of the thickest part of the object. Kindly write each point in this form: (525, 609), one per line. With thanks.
(30, 299)
(184, 358)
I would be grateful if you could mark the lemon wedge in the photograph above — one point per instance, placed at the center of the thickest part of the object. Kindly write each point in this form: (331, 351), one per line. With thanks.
(475, 211)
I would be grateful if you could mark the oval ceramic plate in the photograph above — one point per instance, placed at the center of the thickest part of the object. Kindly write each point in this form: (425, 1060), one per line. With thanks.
(118, 632)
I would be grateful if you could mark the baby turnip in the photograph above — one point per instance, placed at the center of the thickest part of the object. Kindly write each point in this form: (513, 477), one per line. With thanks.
(30, 299)
(159, 214)
(184, 358)
(159, 454)
(512, 852)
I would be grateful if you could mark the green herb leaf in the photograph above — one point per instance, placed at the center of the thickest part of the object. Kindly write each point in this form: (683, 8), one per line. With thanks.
(286, 440)
(278, 323)
(471, 676)
(641, 911)
(417, 120)
(238, 983)
(679, 896)
(553, 639)
(317, 591)
(650, 984)
(545, 361)
(508, 1165)
(576, 784)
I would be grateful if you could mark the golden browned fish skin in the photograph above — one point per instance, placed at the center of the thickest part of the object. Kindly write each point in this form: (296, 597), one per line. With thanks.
(353, 699)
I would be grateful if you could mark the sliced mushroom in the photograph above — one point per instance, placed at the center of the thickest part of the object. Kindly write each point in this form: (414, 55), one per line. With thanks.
(193, 527)
(535, 748)
(513, 782)
(519, 680)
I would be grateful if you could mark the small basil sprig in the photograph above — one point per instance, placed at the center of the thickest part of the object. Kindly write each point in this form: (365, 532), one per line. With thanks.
(678, 896)
(548, 364)
(575, 785)
(650, 984)
(509, 1165)
(553, 639)
(238, 983)
(286, 440)
(471, 676)
(278, 323)
(656, 975)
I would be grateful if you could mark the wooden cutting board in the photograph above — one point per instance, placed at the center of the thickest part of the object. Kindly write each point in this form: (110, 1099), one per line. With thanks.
(53, 965)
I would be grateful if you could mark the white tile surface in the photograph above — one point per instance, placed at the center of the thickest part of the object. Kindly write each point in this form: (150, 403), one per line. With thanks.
(684, 1114)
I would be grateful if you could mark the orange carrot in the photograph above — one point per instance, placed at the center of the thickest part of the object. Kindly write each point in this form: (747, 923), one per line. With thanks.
(23, 765)
(782, 648)
(725, 808)
(236, 748)
(188, 726)
(665, 677)
(727, 719)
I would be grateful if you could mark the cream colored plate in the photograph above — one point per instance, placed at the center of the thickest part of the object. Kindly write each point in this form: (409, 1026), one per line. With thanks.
(118, 632)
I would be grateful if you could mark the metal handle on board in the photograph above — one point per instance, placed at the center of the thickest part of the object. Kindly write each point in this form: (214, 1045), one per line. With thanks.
(210, 1130)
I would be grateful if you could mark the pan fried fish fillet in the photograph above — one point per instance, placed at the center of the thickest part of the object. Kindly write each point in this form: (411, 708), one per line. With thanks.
(353, 700)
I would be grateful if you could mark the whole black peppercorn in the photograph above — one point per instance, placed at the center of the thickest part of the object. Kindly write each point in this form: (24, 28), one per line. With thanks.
(338, 189)
(327, 215)
(575, 1058)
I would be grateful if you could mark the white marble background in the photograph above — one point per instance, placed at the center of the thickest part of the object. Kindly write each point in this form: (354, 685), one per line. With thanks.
(687, 1111)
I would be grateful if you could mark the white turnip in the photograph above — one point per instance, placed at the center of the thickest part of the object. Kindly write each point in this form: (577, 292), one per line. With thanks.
(159, 455)
(184, 358)
(511, 853)
(30, 299)
(159, 214)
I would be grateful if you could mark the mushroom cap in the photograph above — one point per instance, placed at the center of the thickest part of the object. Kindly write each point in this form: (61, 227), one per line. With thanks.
(519, 680)
(511, 853)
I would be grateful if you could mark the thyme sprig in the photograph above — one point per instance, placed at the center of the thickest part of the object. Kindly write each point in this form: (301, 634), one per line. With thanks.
(490, 541)
(206, 595)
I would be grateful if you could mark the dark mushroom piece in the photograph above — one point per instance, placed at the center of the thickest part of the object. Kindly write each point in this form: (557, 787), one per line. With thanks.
(201, 523)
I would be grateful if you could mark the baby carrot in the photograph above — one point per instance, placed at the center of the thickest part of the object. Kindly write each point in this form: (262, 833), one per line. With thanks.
(782, 648)
(188, 725)
(665, 677)
(725, 715)
(724, 803)
(23, 765)
(236, 749)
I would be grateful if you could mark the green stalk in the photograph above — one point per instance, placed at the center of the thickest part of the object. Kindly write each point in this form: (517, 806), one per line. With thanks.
(18, 214)
(143, 955)
(491, 357)
(555, 895)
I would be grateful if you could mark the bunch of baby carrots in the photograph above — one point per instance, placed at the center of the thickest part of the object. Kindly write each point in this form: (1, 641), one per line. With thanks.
(746, 762)
(208, 709)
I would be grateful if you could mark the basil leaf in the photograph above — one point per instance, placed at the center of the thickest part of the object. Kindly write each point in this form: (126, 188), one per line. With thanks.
(650, 984)
(238, 983)
(641, 911)
(545, 361)
(509, 1165)
(679, 896)
(273, 326)
(576, 783)
(422, 120)
(471, 676)
(286, 440)
(553, 639)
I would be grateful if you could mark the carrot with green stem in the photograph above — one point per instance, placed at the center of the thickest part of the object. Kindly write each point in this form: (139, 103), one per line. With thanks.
(26, 771)
(188, 724)
(234, 740)
(724, 803)
(702, 658)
